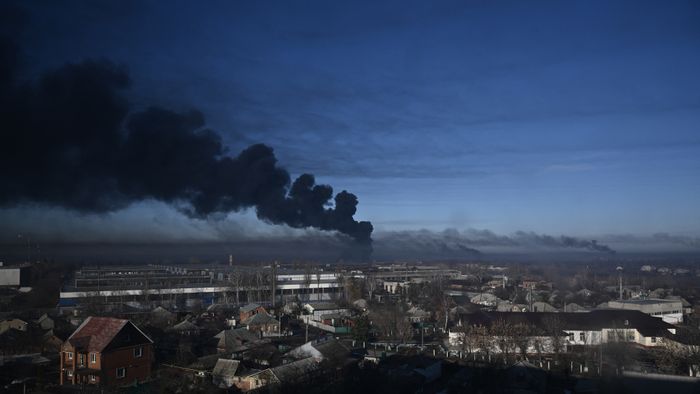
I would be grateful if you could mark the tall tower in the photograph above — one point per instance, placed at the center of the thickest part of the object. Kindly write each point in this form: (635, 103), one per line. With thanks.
(619, 273)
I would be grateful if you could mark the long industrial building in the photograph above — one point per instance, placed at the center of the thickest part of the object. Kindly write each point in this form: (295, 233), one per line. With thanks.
(187, 286)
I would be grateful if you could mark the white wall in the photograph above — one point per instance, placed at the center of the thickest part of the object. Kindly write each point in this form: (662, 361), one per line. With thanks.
(9, 276)
(672, 318)
(546, 344)
(589, 337)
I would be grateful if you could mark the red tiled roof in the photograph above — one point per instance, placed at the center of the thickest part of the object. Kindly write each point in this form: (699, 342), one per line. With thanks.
(96, 333)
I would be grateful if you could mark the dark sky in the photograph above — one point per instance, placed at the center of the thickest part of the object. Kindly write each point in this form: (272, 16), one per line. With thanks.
(577, 118)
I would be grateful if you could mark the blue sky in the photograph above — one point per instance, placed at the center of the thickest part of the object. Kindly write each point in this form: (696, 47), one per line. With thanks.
(576, 118)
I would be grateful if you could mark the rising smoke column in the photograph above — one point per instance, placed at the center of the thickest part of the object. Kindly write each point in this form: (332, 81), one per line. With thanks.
(70, 139)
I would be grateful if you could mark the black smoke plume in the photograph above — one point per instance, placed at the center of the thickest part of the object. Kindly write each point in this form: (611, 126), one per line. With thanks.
(71, 139)
(452, 240)
(562, 241)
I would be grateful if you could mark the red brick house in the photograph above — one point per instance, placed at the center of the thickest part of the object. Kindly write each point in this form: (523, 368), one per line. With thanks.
(250, 310)
(106, 351)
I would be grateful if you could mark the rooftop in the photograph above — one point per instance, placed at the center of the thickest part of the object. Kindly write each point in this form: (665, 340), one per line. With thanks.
(97, 332)
(225, 368)
(294, 370)
(249, 307)
(647, 301)
(235, 338)
(594, 320)
(185, 325)
(259, 318)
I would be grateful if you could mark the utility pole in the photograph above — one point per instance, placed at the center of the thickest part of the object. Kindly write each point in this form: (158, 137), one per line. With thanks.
(273, 284)
(421, 335)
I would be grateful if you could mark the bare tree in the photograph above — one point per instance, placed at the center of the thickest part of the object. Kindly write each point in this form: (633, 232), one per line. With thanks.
(468, 338)
(618, 349)
(404, 328)
(307, 279)
(318, 284)
(354, 289)
(258, 283)
(483, 341)
(391, 322)
(371, 284)
(539, 345)
(445, 304)
(681, 355)
(504, 334)
(381, 319)
(523, 338)
(236, 279)
(94, 304)
(554, 328)
(340, 282)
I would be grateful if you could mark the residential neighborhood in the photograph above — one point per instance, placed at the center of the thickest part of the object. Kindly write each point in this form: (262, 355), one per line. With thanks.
(437, 329)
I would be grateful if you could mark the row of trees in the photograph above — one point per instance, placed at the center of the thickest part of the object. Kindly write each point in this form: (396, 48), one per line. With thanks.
(674, 357)
(390, 321)
(509, 339)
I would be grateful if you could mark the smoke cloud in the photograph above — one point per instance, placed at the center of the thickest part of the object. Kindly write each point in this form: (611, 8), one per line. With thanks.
(72, 140)
(677, 239)
(423, 245)
(469, 242)
(562, 241)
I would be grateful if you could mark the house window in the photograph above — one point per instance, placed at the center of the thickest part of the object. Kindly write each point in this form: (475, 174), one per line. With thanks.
(93, 358)
(80, 359)
(582, 337)
(93, 378)
(70, 355)
(571, 336)
(121, 372)
(653, 339)
(138, 351)
(70, 373)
